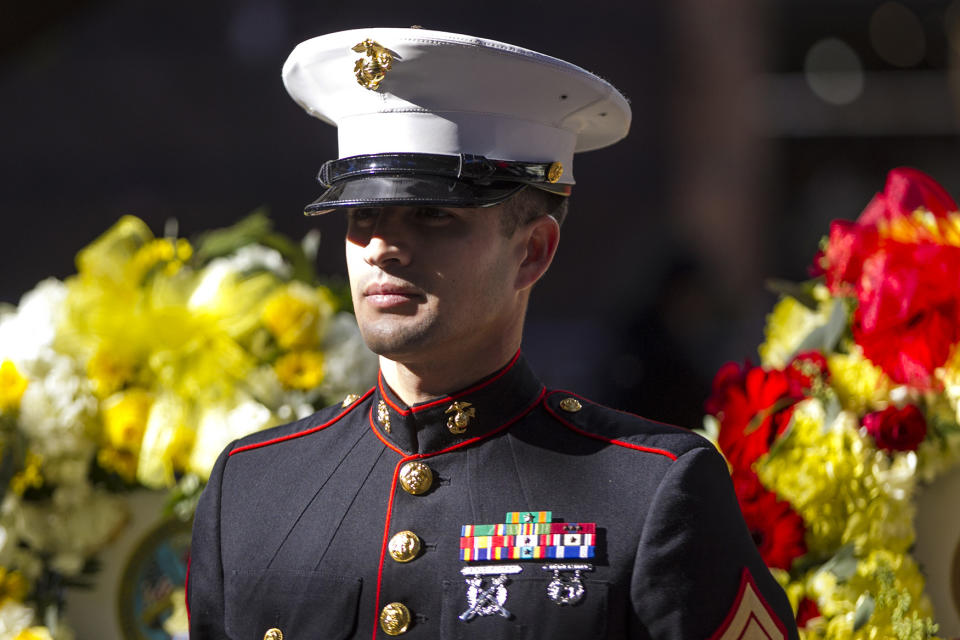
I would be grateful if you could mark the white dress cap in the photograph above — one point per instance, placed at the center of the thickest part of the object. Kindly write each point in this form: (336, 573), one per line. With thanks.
(417, 91)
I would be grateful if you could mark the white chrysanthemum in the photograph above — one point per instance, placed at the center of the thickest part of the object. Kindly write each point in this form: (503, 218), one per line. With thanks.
(30, 329)
(58, 408)
(350, 367)
(72, 526)
(14, 618)
(219, 425)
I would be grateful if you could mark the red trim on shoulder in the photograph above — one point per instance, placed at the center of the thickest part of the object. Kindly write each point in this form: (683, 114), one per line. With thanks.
(595, 436)
(445, 399)
(186, 590)
(348, 409)
(753, 622)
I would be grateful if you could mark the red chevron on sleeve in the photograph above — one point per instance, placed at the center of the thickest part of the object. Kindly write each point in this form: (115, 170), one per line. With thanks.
(750, 617)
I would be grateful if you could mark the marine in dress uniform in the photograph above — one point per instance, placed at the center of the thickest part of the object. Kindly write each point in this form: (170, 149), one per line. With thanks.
(500, 510)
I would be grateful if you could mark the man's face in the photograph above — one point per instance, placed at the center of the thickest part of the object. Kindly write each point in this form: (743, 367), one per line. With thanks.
(428, 282)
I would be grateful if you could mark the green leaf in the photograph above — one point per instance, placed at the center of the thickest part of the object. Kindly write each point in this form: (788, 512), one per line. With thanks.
(865, 607)
(843, 564)
(220, 242)
(802, 292)
(825, 337)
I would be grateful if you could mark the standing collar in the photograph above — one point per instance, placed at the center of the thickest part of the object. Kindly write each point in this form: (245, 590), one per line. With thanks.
(475, 411)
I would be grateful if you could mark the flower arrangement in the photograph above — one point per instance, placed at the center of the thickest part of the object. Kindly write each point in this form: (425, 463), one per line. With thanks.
(136, 372)
(856, 401)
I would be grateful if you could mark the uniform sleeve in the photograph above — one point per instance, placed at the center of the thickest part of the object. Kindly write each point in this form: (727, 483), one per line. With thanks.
(205, 603)
(697, 564)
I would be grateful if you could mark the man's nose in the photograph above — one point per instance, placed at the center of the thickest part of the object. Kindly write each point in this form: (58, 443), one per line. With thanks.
(387, 246)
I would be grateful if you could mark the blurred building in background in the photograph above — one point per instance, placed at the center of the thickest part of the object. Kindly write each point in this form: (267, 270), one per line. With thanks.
(755, 124)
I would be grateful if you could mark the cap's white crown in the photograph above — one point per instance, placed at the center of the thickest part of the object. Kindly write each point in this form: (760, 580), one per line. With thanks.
(448, 93)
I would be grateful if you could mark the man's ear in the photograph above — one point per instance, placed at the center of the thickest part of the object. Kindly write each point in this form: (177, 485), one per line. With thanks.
(539, 239)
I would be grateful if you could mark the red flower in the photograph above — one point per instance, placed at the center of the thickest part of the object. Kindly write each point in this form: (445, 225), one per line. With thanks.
(754, 405)
(807, 610)
(905, 277)
(776, 528)
(896, 429)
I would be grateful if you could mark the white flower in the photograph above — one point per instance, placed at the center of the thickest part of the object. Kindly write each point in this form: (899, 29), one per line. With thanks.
(14, 618)
(220, 424)
(31, 329)
(350, 367)
(244, 260)
(58, 409)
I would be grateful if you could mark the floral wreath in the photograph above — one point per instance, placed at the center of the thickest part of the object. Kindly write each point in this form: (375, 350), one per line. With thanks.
(136, 372)
(856, 401)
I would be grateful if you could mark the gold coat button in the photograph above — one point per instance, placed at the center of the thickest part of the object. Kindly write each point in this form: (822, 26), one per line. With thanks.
(273, 634)
(416, 478)
(404, 546)
(570, 405)
(395, 619)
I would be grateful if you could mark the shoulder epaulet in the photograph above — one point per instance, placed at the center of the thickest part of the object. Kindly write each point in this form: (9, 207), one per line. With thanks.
(596, 421)
(320, 420)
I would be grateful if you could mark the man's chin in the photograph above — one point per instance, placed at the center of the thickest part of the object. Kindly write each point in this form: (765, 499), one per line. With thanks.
(393, 340)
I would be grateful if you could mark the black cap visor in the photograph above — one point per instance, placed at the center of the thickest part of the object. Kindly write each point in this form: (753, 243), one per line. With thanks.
(410, 190)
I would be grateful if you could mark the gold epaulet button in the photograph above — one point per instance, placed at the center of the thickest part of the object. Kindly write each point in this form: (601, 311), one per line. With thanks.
(570, 405)
(350, 399)
(273, 634)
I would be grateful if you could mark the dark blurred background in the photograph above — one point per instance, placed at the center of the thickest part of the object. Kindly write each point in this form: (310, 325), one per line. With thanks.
(755, 124)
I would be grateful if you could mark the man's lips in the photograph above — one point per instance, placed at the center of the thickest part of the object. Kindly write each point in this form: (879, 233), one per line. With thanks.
(385, 295)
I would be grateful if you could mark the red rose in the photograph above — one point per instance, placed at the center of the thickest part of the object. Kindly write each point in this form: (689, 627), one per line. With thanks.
(776, 528)
(908, 316)
(807, 610)
(904, 275)
(896, 429)
(753, 407)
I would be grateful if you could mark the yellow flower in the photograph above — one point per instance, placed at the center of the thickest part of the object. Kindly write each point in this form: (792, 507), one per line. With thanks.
(846, 491)
(109, 370)
(12, 386)
(300, 369)
(125, 418)
(295, 315)
(170, 254)
(858, 383)
(34, 633)
(119, 461)
(787, 326)
(167, 441)
(30, 477)
(13, 586)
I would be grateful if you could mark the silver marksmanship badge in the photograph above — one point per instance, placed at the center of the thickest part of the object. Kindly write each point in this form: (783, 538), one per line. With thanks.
(565, 589)
(487, 600)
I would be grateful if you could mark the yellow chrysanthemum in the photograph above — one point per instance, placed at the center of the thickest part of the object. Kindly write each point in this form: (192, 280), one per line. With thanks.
(12, 386)
(787, 326)
(894, 584)
(300, 369)
(858, 383)
(295, 315)
(119, 461)
(34, 633)
(846, 492)
(125, 418)
(109, 370)
(30, 477)
(13, 586)
(170, 254)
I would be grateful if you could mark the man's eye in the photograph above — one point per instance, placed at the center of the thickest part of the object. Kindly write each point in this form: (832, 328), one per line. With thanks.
(362, 216)
(433, 215)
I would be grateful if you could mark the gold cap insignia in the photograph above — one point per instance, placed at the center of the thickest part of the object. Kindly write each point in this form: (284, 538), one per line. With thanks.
(554, 171)
(372, 68)
(462, 413)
